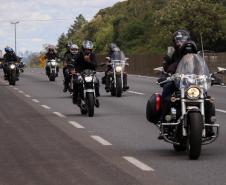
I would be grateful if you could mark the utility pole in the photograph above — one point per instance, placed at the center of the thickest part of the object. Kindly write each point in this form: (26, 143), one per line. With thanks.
(15, 23)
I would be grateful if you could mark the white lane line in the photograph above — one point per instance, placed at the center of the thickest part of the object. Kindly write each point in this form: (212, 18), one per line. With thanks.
(45, 107)
(138, 163)
(15, 88)
(101, 140)
(222, 111)
(75, 124)
(59, 114)
(27, 95)
(134, 92)
(35, 100)
(142, 76)
(22, 92)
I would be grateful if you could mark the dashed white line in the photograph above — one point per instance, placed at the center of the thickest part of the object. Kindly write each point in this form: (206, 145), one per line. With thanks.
(27, 95)
(15, 88)
(59, 114)
(46, 107)
(75, 124)
(142, 166)
(222, 111)
(35, 100)
(22, 92)
(134, 92)
(101, 140)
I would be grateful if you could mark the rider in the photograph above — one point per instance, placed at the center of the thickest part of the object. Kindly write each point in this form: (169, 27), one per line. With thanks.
(182, 45)
(87, 60)
(106, 79)
(51, 55)
(9, 56)
(70, 58)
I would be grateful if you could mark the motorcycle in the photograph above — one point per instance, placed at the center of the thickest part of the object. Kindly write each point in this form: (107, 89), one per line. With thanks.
(52, 65)
(117, 75)
(86, 84)
(12, 72)
(189, 120)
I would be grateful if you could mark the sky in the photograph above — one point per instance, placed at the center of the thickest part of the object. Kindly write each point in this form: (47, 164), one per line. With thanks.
(32, 31)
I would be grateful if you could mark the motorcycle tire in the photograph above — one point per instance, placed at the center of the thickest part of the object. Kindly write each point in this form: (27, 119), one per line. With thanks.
(12, 78)
(90, 104)
(195, 135)
(118, 87)
(52, 77)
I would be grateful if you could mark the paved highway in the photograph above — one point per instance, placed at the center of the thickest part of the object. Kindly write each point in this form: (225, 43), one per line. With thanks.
(45, 140)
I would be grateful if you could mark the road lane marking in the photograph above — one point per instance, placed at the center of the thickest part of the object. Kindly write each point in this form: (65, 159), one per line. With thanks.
(22, 92)
(35, 100)
(46, 107)
(59, 114)
(27, 95)
(222, 111)
(134, 92)
(15, 88)
(75, 124)
(138, 163)
(101, 140)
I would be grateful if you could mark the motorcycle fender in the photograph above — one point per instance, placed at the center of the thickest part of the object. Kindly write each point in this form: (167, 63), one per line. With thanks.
(89, 91)
(190, 109)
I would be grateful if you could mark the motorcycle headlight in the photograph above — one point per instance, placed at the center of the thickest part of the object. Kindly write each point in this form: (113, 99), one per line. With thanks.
(53, 63)
(118, 69)
(12, 66)
(193, 93)
(88, 78)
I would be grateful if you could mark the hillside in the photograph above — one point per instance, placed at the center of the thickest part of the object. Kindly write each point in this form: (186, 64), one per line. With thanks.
(146, 26)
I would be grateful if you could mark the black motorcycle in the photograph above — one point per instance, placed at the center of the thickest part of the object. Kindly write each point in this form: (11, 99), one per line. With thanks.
(86, 84)
(189, 123)
(116, 76)
(12, 72)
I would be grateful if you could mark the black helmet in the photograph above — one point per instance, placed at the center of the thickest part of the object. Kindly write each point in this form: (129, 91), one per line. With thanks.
(180, 37)
(8, 49)
(112, 46)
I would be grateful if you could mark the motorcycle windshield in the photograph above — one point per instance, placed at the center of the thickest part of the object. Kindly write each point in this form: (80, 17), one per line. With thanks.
(193, 70)
(117, 56)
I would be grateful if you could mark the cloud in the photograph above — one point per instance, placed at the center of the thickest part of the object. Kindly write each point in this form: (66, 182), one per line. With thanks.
(39, 40)
(32, 30)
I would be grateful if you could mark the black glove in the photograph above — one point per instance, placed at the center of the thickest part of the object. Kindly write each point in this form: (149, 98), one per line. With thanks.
(216, 81)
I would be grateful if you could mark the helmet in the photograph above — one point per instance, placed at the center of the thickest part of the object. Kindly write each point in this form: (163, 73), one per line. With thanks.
(68, 45)
(180, 37)
(74, 49)
(51, 48)
(8, 49)
(112, 46)
(87, 45)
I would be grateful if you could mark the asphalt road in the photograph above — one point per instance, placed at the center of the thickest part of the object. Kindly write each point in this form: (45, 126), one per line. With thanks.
(45, 140)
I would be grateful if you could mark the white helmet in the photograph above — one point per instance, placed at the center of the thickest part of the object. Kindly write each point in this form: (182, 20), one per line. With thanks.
(74, 49)
(87, 44)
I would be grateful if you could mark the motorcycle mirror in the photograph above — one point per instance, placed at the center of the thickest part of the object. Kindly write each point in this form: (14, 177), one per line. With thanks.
(221, 70)
(158, 69)
(107, 58)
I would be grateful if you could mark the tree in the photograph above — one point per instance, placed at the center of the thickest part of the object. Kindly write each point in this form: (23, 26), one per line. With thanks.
(201, 17)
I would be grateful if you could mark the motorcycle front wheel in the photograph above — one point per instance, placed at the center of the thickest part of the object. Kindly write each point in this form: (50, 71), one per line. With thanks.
(195, 134)
(90, 104)
(118, 87)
